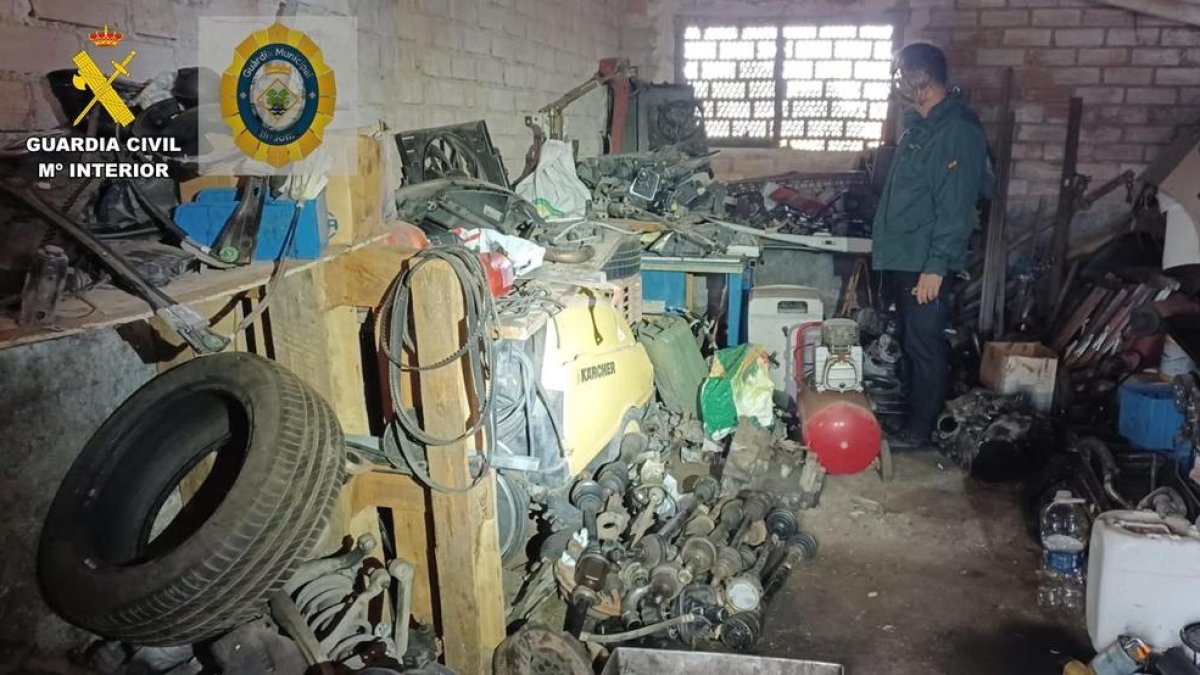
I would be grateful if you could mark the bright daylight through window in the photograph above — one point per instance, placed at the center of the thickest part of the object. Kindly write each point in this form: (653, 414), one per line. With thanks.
(807, 87)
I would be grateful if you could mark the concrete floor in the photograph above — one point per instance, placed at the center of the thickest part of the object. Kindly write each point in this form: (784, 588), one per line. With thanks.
(940, 580)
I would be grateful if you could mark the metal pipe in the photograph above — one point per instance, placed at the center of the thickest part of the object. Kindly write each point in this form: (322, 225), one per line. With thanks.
(641, 632)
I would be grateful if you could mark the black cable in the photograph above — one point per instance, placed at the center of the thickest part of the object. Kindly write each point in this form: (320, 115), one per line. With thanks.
(478, 347)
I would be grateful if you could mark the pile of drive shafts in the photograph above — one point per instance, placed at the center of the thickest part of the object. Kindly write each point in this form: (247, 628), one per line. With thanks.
(685, 570)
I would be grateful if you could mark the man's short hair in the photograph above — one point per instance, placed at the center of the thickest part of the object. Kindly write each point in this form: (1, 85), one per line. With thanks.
(924, 57)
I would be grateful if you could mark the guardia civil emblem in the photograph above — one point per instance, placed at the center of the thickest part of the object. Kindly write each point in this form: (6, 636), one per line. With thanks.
(278, 95)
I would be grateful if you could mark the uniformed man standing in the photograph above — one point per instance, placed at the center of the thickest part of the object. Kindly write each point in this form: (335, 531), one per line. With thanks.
(924, 222)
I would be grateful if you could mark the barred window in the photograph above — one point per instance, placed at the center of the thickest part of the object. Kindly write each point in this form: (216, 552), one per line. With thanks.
(808, 87)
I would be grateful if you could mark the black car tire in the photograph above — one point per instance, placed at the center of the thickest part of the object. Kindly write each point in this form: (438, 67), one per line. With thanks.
(277, 470)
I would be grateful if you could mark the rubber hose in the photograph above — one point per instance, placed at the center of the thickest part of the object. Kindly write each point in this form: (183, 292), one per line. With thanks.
(641, 632)
(1095, 447)
(570, 256)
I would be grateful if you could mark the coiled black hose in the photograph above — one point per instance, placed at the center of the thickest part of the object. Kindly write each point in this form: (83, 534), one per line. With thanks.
(478, 347)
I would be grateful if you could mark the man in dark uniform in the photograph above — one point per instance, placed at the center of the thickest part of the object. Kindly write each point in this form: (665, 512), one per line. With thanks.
(924, 222)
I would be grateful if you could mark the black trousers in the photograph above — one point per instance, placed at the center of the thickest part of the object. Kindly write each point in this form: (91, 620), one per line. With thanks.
(926, 349)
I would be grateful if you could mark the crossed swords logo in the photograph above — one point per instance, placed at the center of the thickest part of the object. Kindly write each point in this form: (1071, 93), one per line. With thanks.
(90, 77)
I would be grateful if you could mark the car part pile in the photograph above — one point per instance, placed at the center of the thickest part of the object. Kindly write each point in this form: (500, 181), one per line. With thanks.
(697, 567)
(319, 622)
(994, 437)
(838, 204)
(667, 553)
(665, 183)
(757, 460)
(128, 553)
(325, 606)
(442, 204)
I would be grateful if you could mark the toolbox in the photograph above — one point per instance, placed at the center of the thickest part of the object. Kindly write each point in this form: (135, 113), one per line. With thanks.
(1149, 419)
(203, 219)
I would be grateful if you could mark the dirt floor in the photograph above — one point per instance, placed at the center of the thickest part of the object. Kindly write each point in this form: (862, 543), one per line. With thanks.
(929, 574)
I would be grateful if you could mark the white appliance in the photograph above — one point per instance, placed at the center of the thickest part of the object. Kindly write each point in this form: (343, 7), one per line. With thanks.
(772, 312)
(1143, 578)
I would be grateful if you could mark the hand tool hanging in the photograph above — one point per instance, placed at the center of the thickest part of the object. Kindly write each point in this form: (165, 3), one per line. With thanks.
(239, 236)
(184, 320)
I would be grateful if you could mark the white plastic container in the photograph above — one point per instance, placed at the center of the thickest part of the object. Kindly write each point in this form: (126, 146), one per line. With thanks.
(772, 311)
(1143, 579)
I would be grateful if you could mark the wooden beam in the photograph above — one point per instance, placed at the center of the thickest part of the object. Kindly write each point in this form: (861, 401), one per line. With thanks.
(362, 278)
(467, 548)
(408, 502)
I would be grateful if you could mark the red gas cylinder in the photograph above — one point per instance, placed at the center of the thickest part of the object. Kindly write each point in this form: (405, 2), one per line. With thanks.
(840, 428)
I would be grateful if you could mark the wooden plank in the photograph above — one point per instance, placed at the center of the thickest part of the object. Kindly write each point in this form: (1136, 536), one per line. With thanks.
(408, 503)
(114, 306)
(362, 278)
(467, 549)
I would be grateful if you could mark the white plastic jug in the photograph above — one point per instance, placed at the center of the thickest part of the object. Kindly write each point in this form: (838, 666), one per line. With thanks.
(1143, 578)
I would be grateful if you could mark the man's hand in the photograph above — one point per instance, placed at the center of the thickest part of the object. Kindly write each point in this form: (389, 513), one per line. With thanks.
(928, 287)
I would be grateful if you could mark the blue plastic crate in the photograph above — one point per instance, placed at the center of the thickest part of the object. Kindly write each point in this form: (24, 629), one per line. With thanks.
(1149, 419)
(203, 219)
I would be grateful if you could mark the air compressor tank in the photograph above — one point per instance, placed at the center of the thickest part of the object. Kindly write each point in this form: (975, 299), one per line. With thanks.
(840, 428)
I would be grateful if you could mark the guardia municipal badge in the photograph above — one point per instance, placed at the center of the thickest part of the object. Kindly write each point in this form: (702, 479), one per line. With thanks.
(278, 95)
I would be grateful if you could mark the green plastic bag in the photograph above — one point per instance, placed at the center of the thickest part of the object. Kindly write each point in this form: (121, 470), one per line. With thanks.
(738, 385)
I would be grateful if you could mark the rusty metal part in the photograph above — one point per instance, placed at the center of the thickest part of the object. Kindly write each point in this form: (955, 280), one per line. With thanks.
(1123, 179)
(666, 581)
(1078, 317)
(727, 563)
(607, 606)
(404, 573)
(44, 283)
(699, 524)
(287, 616)
(317, 568)
(651, 550)
(610, 525)
(1150, 318)
(698, 555)
(570, 256)
(534, 649)
(755, 505)
(1069, 190)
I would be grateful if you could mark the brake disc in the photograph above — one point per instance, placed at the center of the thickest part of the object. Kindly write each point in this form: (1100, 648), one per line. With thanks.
(540, 651)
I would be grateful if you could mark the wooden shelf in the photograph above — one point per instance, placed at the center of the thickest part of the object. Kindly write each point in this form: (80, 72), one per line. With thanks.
(114, 307)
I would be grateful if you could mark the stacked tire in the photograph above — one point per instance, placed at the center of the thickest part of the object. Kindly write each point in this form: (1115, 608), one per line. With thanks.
(277, 454)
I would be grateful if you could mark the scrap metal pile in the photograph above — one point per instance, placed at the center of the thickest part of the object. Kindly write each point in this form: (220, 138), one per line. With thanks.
(685, 561)
(838, 204)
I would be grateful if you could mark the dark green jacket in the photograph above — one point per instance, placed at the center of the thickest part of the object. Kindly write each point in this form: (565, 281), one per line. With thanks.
(928, 209)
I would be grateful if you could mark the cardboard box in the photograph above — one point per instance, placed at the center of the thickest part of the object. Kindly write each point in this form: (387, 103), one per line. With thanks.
(1028, 368)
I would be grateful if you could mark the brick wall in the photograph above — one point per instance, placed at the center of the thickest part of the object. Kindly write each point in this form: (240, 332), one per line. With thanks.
(421, 62)
(1137, 74)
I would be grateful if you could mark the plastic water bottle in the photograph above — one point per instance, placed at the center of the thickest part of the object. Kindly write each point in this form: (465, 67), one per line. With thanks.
(1065, 525)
